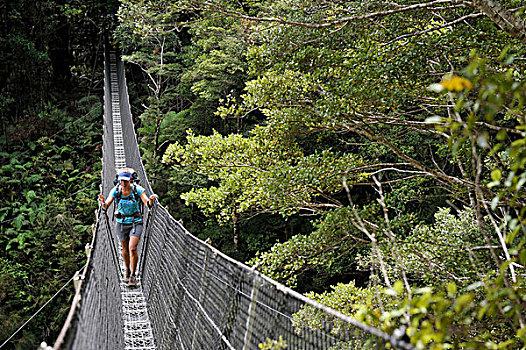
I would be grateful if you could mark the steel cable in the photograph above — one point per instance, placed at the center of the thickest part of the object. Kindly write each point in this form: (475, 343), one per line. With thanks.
(114, 254)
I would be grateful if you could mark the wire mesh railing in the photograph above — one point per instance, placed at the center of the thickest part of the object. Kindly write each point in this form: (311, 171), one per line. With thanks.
(95, 320)
(197, 297)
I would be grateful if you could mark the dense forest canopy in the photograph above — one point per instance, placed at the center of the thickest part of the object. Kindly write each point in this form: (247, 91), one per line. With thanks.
(370, 154)
(50, 142)
(381, 145)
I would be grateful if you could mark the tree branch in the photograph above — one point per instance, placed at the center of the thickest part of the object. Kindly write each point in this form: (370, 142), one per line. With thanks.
(504, 18)
(326, 24)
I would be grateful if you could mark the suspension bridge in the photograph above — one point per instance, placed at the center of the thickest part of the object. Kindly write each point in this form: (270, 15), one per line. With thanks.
(189, 295)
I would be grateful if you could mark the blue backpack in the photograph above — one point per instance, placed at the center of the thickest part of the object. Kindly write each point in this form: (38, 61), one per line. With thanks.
(128, 207)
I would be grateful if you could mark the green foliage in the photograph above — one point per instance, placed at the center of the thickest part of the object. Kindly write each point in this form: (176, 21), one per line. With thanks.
(143, 20)
(50, 134)
(48, 47)
(480, 316)
(346, 298)
(367, 124)
(450, 249)
(326, 250)
(243, 167)
(272, 344)
(46, 211)
(218, 65)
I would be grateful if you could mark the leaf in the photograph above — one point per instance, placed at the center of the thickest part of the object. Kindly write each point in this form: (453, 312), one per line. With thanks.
(482, 141)
(496, 175)
(399, 287)
(475, 285)
(18, 222)
(436, 87)
(495, 202)
(30, 195)
(462, 301)
(522, 258)
(456, 83)
(452, 288)
(434, 119)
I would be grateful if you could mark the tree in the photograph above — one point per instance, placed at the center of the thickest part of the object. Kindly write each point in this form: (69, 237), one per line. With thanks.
(146, 27)
(48, 154)
(206, 64)
(373, 111)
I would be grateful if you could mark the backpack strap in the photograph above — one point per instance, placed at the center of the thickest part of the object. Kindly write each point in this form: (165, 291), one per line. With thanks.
(135, 193)
(134, 190)
(136, 196)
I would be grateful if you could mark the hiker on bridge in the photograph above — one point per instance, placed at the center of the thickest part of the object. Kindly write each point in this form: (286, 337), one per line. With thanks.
(129, 226)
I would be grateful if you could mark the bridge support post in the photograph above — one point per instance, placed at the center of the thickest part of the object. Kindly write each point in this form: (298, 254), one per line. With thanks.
(202, 292)
(251, 312)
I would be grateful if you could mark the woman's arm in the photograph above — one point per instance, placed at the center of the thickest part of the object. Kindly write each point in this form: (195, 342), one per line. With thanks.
(105, 203)
(148, 201)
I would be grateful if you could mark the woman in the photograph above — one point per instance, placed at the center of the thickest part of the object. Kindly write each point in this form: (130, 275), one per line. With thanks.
(129, 224)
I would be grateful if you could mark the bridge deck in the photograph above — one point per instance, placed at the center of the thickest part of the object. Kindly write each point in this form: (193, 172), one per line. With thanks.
(138, 333)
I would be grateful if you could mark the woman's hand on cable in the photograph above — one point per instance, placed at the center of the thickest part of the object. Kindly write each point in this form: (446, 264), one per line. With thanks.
(102, 201)
(151, 199)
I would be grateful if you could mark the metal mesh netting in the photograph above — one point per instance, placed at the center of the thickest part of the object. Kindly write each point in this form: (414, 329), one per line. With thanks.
(98, 322)
(196, 297)
(199, 298)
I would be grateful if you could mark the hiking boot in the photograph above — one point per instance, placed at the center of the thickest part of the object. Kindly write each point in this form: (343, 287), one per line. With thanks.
(132, 282)
(127, 275)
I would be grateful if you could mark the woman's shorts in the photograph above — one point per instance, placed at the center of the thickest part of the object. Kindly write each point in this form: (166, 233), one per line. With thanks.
(124, 231)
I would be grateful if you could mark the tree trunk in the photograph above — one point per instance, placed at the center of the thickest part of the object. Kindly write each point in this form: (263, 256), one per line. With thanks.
(236, 233)
(503, 18)
(158, 121)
